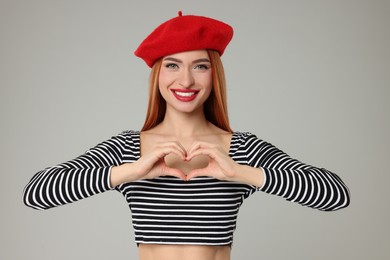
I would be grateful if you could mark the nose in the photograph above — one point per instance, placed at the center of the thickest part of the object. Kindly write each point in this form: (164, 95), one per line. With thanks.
(186, 79)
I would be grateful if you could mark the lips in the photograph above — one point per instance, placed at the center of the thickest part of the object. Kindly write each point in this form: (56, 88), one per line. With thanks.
(185, 95)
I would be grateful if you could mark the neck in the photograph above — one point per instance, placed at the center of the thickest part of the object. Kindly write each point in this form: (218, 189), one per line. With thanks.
(185, 124)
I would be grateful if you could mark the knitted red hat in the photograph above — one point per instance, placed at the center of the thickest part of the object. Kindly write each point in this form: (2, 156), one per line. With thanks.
(185, 33)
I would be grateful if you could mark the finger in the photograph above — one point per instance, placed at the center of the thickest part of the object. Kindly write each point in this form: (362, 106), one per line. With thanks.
(146, 162)
(198, 145)
(181, 147)
(175, 145)
(197, 173)
(175, 173)
(168, 149)
(212, 153)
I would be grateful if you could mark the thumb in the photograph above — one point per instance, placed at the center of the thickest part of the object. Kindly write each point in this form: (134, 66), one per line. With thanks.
(196, 173)
(175, 173)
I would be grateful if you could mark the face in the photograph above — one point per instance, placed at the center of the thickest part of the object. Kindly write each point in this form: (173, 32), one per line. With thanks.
(185, 80)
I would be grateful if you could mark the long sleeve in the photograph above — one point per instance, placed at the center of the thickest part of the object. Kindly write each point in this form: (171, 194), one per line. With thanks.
(295, 181)
(84, 176)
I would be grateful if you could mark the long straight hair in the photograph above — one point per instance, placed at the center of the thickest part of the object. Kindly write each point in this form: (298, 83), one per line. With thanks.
(215, 107)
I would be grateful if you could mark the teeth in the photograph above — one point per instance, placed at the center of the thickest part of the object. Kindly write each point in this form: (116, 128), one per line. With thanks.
(184, 94)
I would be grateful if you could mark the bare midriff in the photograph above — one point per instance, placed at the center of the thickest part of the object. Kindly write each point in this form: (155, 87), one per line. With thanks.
(183, 252)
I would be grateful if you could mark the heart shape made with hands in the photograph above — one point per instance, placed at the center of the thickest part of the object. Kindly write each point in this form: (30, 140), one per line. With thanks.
(198, 162)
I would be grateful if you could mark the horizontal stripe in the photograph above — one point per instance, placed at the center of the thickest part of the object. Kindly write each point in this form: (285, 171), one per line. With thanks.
(168, 210)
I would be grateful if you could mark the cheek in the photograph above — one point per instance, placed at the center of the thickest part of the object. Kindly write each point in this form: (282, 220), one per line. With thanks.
(163, 83)
(208, 87)
(161, 78)
(163, 90)
(165, 79)
(208, 81)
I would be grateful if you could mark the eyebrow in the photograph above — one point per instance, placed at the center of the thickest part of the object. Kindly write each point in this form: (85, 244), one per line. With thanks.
(180, 61)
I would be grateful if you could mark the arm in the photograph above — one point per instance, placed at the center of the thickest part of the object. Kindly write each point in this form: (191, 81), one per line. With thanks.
(99, 169)
(295, 181)
(84, 176)
(150, 165)
(262, 165)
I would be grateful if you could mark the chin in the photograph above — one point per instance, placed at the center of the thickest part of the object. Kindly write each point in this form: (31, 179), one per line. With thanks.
(187, 109)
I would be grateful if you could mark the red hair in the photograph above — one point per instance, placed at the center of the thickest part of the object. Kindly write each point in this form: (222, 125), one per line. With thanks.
(215, 107)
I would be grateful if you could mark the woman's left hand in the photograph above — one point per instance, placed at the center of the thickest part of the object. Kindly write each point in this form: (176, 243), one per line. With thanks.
(220, 166)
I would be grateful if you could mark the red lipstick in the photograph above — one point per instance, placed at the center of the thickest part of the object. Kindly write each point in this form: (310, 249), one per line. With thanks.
(185, 95)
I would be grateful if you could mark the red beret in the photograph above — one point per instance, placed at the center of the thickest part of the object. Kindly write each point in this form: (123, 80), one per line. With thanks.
(185, 33)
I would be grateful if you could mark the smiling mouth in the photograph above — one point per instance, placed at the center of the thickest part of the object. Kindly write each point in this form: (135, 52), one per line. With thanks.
(185, 95)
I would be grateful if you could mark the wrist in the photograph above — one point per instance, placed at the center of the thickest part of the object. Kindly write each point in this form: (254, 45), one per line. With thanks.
(249, 175)
(122, 174)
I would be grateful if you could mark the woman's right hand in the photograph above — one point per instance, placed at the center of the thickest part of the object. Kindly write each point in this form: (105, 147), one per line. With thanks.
(150, 165)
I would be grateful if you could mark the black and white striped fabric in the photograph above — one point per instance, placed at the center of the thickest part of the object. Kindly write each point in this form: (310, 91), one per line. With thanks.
(167, 210)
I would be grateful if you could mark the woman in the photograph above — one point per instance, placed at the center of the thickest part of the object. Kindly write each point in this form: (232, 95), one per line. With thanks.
(186, 173)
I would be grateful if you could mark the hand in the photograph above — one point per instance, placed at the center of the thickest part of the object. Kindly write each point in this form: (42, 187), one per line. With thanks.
(152, 165)
(221, 166)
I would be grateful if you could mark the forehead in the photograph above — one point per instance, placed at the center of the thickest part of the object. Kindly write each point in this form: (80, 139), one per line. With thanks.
(189, 55)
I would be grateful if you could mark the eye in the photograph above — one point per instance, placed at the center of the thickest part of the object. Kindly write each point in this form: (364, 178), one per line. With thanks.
(171, 66)
(202, 67)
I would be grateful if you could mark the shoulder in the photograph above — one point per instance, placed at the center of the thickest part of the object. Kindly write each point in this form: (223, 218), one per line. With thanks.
(244, 136)
(124, 135)
(124, 139)
(248, 141)
(128, 134)
(249, 144)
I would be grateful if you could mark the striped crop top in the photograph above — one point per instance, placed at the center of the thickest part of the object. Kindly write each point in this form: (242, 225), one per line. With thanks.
(168, 210)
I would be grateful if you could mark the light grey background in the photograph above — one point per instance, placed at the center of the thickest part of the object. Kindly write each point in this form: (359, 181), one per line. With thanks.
(311, 77)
